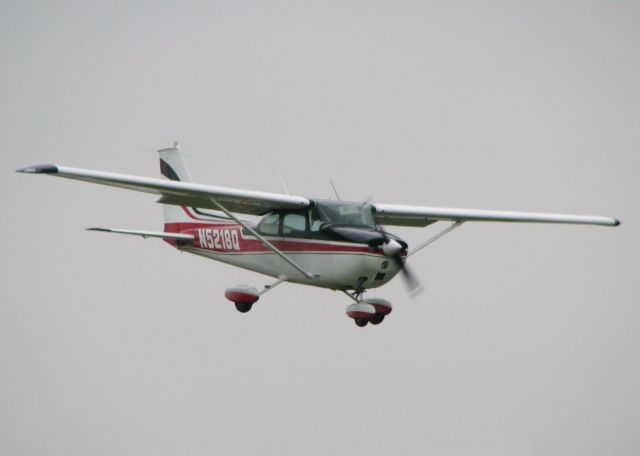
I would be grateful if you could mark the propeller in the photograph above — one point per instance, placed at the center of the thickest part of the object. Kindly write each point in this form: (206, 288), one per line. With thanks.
(394, 250)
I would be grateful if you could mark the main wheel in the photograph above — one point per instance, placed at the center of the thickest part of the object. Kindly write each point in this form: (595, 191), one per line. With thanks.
(243, 307)
(376, 319)
(361, 322)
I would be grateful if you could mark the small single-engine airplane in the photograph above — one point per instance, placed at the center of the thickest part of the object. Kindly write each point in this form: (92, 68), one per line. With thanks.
(331, 244)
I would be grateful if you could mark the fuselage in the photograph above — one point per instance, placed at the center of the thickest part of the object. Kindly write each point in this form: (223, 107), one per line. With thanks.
(337, 264)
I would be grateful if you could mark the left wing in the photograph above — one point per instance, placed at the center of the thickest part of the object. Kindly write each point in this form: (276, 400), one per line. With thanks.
(391, 214)
(180, 193)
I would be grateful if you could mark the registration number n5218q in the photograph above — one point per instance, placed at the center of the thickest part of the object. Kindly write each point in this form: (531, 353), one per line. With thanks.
(211, 238)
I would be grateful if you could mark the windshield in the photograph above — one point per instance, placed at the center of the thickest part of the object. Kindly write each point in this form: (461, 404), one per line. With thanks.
(343, 213)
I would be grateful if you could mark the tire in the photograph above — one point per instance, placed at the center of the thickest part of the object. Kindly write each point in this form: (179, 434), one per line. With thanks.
(362, 322)
(243, 307)
(376, 319)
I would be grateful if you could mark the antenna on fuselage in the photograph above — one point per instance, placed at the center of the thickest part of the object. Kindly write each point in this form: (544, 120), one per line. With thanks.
(334, 190)
(284, 184)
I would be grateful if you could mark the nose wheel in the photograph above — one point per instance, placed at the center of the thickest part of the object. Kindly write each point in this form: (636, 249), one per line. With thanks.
(374, 320)
(370, 310)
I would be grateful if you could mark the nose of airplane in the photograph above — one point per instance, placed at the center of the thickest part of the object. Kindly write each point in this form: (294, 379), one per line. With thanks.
(392, 248)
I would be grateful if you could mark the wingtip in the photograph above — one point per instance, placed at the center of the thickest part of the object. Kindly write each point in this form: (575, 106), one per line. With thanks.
(38, 169)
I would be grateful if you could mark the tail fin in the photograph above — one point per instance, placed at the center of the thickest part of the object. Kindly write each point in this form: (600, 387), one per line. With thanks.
(173, 167)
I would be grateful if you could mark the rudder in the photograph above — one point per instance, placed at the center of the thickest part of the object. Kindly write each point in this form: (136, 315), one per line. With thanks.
(174, 167)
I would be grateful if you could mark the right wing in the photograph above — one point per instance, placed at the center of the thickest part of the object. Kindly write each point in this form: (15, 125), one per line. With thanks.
(181, 193)
(392, 214)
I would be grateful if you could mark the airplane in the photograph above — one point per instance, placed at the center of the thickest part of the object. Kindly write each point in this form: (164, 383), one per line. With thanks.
(339, 245)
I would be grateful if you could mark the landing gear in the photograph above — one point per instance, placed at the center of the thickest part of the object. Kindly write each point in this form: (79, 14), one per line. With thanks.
(245, 296)
(369, 310)
(243, 307)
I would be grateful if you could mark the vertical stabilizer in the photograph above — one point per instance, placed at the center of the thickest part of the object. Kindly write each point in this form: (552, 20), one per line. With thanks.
(172, 164)
(173, 167)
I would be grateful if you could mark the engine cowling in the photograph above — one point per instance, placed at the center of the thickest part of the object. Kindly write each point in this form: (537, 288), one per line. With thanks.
(360, 310)
(381, 306)
(242, 293)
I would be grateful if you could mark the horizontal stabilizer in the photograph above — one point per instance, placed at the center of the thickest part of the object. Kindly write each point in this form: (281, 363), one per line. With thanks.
(146, 234)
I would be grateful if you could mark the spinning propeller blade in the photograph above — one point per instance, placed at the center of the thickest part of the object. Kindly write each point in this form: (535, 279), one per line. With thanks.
(394, 250)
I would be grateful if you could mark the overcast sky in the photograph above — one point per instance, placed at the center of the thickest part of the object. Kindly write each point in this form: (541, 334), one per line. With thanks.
(526, 339)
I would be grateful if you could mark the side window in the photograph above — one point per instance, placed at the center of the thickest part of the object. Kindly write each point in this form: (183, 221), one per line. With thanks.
(270, 225)
(315, 222)
(294, 224)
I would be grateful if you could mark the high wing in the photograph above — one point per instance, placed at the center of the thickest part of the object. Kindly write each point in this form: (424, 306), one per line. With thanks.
(391, 214)
(181, 193)
(257, 203)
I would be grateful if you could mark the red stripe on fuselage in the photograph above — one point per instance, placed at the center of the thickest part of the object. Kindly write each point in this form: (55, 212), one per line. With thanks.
(249, 244)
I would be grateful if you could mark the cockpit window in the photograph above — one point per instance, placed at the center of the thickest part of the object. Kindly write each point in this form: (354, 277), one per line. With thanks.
(270, 225)
(315, 222)
(344, 213)
(294, 224)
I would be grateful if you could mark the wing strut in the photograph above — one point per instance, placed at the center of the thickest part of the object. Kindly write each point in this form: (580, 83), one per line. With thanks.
(433, 239)
(266, 243)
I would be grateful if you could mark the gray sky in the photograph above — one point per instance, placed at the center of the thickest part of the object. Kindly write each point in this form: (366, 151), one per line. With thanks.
(526, 339)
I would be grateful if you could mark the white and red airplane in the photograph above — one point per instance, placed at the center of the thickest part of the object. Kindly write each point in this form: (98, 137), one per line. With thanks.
(331, 244)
